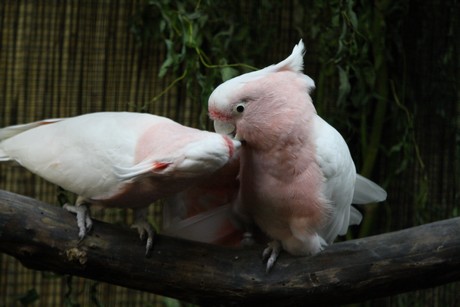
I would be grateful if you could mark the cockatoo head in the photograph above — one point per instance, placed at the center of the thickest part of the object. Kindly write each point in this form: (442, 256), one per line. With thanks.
(246, 103)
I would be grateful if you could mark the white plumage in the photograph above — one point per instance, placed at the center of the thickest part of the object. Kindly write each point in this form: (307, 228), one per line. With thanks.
(116, 159)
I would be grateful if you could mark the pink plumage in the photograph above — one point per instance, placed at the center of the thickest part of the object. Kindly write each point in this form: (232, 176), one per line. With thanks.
(297, 178)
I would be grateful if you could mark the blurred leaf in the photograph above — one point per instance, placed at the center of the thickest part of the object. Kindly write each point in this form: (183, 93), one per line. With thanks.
(352, 18)
(201, 38)
(228, 73)
(165, 66)
(29, 297)
(171, 302)
(94, 294)
(344, 85)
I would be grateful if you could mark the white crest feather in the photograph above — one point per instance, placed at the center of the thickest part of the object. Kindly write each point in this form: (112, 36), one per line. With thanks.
(294, 62)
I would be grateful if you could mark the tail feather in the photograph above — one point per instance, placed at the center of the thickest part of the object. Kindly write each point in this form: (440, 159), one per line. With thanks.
(355, 216)
(3, 156)
(339, 226)
(8, 132)
(367, 192)
(213, 226)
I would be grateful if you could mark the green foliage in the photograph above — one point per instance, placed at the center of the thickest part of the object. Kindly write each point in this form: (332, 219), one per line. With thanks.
(94, 295)
(69, 297)
(357, 48)
(30, 297)
(203, 39)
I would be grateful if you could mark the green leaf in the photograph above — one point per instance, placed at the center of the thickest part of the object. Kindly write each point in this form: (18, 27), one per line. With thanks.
(165, 66)
(228, 73)
(29, 297)
(344, 85)
(171, 302)
(352, 15)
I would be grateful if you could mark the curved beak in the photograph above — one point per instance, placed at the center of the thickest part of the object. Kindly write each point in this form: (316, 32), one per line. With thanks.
(227, 129)
(224, 128)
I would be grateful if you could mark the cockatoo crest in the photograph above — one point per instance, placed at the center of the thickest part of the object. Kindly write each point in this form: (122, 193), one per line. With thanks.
(293, 63)
(222, 96)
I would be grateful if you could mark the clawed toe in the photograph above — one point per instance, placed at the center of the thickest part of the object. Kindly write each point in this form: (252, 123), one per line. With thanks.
(270, 254)
(84, 221)
(145, 229)
(146, 232)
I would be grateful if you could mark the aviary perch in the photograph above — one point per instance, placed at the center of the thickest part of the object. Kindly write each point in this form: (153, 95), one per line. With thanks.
(44, 237)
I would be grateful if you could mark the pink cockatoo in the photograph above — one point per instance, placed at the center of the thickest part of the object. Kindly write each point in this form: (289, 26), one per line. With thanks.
(117, 159)
(297, 178)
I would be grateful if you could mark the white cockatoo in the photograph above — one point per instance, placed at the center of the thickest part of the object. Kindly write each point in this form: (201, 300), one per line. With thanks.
(117, 159)
(297, 178)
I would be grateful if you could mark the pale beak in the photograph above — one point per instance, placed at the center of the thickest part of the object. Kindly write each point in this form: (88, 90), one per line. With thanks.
(238, 138)
(224, 128)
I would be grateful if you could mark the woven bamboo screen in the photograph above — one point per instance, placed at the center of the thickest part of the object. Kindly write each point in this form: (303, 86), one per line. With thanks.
(59, 59)
(64, 58)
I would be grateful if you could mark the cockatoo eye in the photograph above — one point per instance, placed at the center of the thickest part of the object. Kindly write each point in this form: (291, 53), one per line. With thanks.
(239, 108)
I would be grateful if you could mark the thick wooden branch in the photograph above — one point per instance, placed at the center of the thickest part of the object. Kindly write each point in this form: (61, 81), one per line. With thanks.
(44, 237)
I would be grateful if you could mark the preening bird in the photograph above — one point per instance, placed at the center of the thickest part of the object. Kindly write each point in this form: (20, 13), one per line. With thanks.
(297, 177)
(116, 159)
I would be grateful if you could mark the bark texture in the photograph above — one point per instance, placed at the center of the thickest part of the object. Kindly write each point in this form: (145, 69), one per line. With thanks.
(44, 237)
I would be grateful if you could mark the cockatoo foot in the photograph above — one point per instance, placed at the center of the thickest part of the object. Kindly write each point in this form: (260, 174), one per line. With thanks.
(271, 253)
(145, 229)
(84, 221)
(146, 232)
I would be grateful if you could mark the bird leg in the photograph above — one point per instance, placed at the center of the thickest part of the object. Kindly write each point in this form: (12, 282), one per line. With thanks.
(83, 213)
(249, 233)
(248, 239)
(271, 253)
(144, 228)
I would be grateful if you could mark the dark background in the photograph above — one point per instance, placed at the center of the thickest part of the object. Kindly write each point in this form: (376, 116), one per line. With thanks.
(386, 75)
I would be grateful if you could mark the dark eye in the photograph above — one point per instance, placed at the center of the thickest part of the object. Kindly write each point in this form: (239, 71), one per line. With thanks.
(240, 108)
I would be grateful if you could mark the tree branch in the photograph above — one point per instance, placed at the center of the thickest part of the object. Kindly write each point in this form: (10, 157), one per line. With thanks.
(44, 237)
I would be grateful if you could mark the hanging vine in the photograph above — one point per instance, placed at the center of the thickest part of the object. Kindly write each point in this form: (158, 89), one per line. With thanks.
(204, 47)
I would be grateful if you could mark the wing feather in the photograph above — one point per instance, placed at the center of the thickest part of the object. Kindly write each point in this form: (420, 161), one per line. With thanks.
(339, 173)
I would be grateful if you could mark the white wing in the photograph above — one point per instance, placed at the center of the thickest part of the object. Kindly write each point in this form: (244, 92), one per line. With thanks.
(207, 226)
(339, 173)
(93, 155)
(79, 153)
(342, 185)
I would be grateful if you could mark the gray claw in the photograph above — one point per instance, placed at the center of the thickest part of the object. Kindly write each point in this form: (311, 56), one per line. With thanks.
(144, 228)
(84, 221)
(270, 254)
